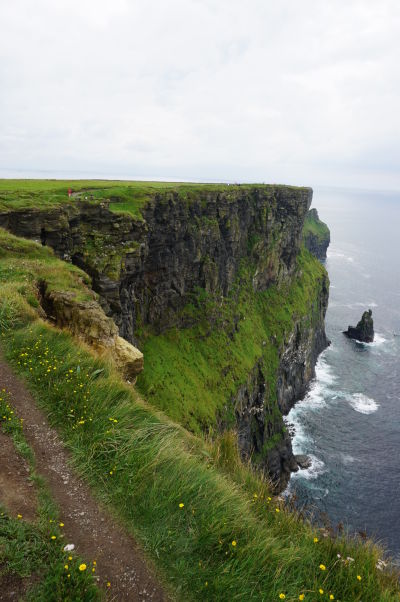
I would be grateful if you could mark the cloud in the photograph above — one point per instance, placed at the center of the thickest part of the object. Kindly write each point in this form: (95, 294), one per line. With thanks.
(296, 92)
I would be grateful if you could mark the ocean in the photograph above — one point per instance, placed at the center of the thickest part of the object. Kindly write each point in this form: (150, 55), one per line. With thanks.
(349, 422)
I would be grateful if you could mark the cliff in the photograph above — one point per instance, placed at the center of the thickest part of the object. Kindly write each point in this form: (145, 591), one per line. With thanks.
(316, 235)
(209, 282)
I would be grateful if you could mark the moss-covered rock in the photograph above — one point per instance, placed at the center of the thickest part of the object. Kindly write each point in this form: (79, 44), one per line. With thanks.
(316, 235)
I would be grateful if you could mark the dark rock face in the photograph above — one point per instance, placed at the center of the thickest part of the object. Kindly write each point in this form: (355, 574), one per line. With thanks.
(145, 270)
(316, 235)
(261, 423)
(364, 331)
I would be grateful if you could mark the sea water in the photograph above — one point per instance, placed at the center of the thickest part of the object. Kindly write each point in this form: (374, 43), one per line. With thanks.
(349, 422)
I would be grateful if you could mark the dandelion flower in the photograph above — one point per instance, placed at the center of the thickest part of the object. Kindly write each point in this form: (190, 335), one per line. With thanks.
(321, 591)
(53, 537)
(331, 597)
(315, 539)
(359, 577)
(66, 567)
(82, 567)
(277, 510)
(108, 584)
(181, 505)
(61, 524)
(301, 597)
(282, 596)
(234, 543)
(19, 515)
(322, 567)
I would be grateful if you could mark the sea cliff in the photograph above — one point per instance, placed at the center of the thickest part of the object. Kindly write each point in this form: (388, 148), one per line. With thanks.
(212, 285)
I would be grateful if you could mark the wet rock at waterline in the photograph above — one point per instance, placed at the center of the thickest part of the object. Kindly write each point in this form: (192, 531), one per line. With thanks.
(364, 331)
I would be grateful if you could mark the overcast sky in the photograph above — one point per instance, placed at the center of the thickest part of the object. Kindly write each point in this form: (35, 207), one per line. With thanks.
(303, 92)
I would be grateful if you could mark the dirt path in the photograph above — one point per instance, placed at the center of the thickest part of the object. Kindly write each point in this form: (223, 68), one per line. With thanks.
(95, 534)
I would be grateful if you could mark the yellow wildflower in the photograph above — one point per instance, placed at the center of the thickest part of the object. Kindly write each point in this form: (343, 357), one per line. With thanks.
(359, 577)
(82, 567)
(234, 543)
(66, 567)
(331, 597)
(282, 596)
(301, 597)
(108, 584)
(181, 505)
(322, 567)
(315, 539)
(321, 591)
(53, 537)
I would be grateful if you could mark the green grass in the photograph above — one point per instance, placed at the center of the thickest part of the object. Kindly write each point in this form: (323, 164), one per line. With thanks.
(125, 196)
(193, 373)
(145, 466)
(36, 549)
(315, 228)
(23, 264)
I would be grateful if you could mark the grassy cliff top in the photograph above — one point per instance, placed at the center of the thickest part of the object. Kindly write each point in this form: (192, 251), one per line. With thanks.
(125, 196)
(314, 226)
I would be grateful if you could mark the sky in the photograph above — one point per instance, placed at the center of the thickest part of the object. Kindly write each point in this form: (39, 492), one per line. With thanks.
(292, 92)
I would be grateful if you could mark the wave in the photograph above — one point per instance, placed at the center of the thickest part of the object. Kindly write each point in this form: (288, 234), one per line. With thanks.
(378, 340)
(316, 469)
(354, 305)
(362, 404)
(340, 255)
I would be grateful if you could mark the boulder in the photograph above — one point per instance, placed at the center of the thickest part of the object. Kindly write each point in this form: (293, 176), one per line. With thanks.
(364, 331)
(303, 461)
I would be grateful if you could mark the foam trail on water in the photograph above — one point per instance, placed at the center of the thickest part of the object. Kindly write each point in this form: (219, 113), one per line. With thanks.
(362, 404)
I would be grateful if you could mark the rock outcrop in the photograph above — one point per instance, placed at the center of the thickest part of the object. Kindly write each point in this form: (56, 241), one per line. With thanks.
(364, 331)
(87, 321)
(316, 235)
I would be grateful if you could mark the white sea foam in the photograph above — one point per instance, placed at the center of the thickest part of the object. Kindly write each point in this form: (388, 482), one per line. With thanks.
(378, 340)
(362, 404)
(340, 255)
(315, 470)
(347, 459)
(315, 399)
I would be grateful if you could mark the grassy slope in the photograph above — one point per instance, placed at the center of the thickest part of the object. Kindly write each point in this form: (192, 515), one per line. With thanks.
(145, 466)
(316, 228)
(28, 549)
(192, 373)
(126, 197)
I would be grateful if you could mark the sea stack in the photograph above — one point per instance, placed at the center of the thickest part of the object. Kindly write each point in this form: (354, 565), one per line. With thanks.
(364, 331)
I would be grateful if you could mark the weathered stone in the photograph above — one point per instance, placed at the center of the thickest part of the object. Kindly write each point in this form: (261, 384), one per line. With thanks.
(364, 331)
(303, 461)
(87, 321)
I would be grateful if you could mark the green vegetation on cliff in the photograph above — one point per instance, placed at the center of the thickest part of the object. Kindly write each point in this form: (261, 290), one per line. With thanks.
(213, 536)
(193, 373)
(316, 235)
(124, 196)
